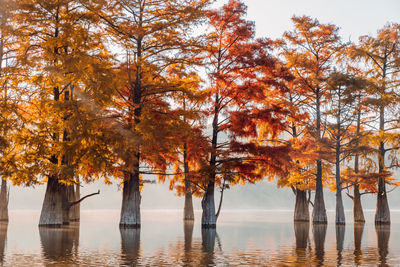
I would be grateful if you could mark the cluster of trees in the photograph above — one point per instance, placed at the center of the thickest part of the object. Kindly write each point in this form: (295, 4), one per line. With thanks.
(124, 89)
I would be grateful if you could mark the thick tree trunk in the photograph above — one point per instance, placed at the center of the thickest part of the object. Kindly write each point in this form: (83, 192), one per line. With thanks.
(208, 218)
(73, 214)
(319, 211)
(358, 212)
(53, 213)
(4, 201)
(382, 215)
(130, 211)
(188, 213)
(130, 246)
(301, 211)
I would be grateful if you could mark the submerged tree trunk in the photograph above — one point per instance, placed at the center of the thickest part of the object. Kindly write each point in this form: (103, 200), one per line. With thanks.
(52, 213)
(208, 218)
(130, 211)
(188, 214)
(4, 201)
(301, 211)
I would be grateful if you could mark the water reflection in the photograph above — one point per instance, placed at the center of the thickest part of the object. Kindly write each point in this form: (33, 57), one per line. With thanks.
(340, 230)
(130, 246)
(188, 227)
(383, 234)
(60, 244)
(319, 232)
(208, 244)
(301, 233)
(358, 232)
(3, 238)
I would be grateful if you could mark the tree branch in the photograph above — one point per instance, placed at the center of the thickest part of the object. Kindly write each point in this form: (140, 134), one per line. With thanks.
(80, 200)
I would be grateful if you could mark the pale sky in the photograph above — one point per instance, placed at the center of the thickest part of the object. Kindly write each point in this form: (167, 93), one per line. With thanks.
(354, 17)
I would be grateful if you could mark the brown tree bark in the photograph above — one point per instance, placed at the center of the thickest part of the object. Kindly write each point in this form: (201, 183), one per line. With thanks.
(188, 213)
(130, 210)
(4, 195)
(301, 210)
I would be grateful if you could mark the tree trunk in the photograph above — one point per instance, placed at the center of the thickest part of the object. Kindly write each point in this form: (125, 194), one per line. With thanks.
(188, 213)
(301, 211)
(358, 212)
(208, 218)
(130, 211)
(53, 214)
(4, 201)
(319, 212)
(340, 217)
(73, 216)
(382, 215)
(77, 206)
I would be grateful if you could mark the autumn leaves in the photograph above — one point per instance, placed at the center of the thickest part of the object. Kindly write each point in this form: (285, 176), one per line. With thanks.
(125, 89)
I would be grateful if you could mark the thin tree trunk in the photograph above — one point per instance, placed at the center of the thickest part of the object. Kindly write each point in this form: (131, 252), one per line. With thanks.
(358, 212)
(319, 211)
(4, 201)
(382, 215)
(340, 217)
(130, 211)
(77, 197)
(301, 210)
(188, 213)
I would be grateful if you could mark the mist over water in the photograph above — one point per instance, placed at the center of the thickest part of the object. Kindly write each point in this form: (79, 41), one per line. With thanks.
(242, 238)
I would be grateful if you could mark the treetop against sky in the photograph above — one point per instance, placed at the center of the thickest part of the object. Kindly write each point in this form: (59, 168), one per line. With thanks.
(355, 17)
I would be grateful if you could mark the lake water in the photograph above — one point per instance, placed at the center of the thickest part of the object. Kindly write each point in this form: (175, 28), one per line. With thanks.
(242, 238)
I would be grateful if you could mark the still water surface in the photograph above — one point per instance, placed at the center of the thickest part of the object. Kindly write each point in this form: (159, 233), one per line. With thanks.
(242, 238)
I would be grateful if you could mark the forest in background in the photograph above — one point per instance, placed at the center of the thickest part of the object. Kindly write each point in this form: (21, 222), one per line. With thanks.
(125, 90)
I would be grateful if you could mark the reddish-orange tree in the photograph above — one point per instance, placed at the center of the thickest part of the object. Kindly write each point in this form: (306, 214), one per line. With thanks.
(153, 36)
(309, 51)
(244, 79)
(381, 56)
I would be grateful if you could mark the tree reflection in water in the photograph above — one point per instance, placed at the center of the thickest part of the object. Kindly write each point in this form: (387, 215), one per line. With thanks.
(130, 246)
(301, 233)
(188, 237)
(383, 234)
(208, 244)
(358, 232)
(340, 230)
(60, 244)
(319, 233)
(3, 239)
